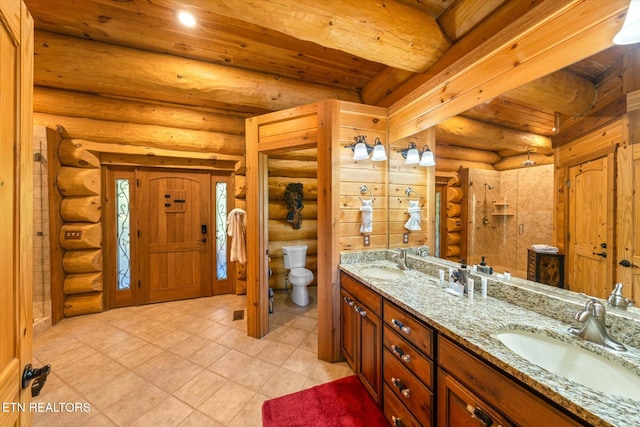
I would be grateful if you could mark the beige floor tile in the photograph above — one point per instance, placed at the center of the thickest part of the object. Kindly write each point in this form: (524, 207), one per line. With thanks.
(135, 403)
(90, 372)
(291, 336)
(326, 372)
(198, 419)
(168, 371)
(209, 354)
(105, 396)
(49, 413)
(276, 352)
(169, 412)
(227, 402)
(301, 361)
(232, 337)
(200, 388)
(140, 355)
(251, 414)
(187, 347)
(304, 323)
(283, 382)
(230, 363)
(121, 349)
(255, 374)
(100, 420)
(310, 343)
(213, 332)
(251, 346)
(170, 339)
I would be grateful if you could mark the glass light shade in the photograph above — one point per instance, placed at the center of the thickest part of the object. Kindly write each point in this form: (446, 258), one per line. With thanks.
(360, 152)
(379, 154)
(413, 157)
(427, 158)
(630, 31)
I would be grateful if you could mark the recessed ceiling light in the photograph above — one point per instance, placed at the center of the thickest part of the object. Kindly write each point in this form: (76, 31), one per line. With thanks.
(187, 19)
(553, 129)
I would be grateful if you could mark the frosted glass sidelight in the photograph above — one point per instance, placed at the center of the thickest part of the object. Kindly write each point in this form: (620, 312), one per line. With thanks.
(123, 246)
(221, 230)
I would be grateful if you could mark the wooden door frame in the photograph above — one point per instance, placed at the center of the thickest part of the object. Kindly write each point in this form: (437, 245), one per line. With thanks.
(564, 170)
(109, 268)
(328, 278)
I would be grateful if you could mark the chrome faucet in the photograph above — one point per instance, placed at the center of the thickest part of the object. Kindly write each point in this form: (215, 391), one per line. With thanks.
(402, 259)
(594, 328)
(616, 299)
(423, 251)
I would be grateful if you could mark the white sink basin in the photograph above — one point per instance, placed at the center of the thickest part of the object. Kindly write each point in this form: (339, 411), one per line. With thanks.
(574, 363)
(382, 273)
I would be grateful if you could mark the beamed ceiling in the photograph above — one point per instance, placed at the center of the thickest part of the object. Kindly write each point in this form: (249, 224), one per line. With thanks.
(249, 57)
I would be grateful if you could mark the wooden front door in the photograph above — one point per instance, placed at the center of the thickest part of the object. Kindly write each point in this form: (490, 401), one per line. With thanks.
(591, 219)
(175, 230)
(16, 215)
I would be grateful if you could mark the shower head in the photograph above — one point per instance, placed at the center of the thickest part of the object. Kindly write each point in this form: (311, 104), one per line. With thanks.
(528, 162)
(489, 186)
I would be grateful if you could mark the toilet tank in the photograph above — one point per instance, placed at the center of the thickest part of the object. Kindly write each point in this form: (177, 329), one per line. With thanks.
(294, 256)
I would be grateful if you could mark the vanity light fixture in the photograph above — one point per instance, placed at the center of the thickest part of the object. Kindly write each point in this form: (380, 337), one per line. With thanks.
(411, 154)
(630, 31)
(362, 150)
(427, 158)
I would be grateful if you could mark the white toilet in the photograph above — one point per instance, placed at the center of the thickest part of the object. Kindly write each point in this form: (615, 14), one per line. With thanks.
(295, 258)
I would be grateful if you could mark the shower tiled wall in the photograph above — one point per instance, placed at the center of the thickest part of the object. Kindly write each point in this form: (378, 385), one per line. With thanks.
(508, 212)
(41, 263)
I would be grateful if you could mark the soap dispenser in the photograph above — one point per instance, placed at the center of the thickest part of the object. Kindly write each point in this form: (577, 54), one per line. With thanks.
(463, 274)
(484, 268)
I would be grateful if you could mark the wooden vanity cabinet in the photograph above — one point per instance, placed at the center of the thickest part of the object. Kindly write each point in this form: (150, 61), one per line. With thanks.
(468, 385)
(408, 369)
(361, 337)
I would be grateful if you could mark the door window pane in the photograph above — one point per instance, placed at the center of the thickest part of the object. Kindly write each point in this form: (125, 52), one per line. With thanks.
(123, 246)
(221, 230)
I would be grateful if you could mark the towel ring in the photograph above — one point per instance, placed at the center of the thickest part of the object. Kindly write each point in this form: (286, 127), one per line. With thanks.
(365, 190)
(408, 193)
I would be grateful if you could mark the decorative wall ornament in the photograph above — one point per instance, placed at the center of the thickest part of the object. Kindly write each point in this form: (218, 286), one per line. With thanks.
(293, 197)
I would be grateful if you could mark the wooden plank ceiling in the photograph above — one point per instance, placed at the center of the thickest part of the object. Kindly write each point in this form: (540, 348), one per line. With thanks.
(249, 57)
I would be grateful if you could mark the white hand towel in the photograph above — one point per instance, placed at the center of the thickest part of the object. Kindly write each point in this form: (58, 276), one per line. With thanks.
(367, 216)
(413, 223)
(236, 228)
(545, 248)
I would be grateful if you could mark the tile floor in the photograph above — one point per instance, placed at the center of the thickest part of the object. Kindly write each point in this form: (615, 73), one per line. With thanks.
(181, 363)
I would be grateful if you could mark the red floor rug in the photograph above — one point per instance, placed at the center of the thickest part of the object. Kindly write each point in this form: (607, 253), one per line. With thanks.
(344, 402)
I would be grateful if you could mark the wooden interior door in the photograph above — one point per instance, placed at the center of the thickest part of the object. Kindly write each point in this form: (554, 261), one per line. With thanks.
(591, 224)
(175, 235)
(16, 215)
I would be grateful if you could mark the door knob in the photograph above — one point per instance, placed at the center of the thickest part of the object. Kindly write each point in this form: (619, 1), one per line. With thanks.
(602, 254)
(627, 263)
(38, 375)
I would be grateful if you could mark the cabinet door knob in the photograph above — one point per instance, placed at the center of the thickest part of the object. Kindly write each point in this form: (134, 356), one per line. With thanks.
(480, 415)
(400, 353)
(403, 389)
(396, 421)
(398, 324)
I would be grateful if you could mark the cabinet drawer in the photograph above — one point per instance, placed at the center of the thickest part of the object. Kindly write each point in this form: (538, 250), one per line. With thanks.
(410, 328)
(407, 354)
(512, 399)
(366, 296)
(408, 389)
(395, 412)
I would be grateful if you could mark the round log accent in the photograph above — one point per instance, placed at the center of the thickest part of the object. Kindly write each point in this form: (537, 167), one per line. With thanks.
(82, 283)
(72, 155)
(81, 209)
(453, 238)
(87, 261)
(454, 224)
(453, 209)
(74, 182)
(75, 236)
(453, 251)
(454, 194)
(78, 304)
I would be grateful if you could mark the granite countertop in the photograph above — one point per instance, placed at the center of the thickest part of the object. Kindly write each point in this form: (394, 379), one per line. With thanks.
(473, 323)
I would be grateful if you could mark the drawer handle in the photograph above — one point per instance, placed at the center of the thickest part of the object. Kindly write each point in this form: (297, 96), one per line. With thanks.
(480, 415)
(398, 324)
(360, 311)
(348, 301)
(404, 390)
(396, 421)
(400, 353)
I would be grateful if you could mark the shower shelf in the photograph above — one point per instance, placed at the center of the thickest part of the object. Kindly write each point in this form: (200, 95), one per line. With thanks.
(501, 204)
(502, 214)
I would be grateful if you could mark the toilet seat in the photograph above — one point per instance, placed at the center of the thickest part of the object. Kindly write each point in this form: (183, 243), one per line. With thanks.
(300, 275)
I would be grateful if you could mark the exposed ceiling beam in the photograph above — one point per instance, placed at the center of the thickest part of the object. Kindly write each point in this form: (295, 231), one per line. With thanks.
(546, 39)
(94, 67)
(561, 91)
(387, 32)
(483, 136)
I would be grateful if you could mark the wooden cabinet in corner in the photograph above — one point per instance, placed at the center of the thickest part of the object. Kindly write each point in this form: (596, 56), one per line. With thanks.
(470, 390)
(361, 333)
